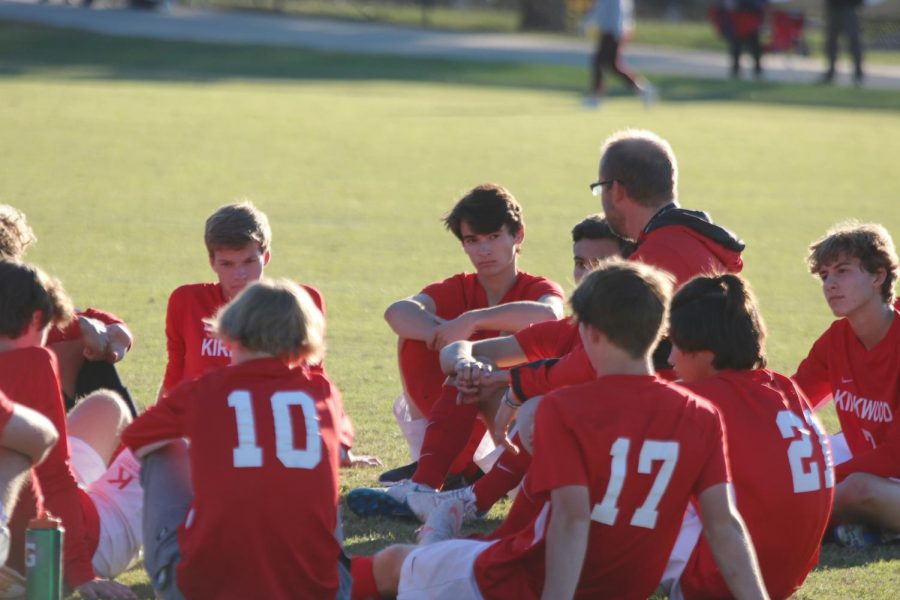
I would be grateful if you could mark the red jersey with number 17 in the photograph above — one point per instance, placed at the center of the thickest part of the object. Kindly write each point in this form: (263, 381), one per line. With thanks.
(264, 464)
(783, 480)
(865, 385)
(642, 447)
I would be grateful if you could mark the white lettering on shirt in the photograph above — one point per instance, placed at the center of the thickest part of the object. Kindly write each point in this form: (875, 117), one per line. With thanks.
(878, 411)
(214, 347)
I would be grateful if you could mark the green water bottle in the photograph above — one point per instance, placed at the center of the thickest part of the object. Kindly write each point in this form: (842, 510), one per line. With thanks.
(43, 558)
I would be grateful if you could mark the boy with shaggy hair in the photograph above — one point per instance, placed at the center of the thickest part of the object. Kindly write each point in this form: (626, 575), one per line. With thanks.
(614, 476)
(94, 490)
(857, 362)
(264, 456)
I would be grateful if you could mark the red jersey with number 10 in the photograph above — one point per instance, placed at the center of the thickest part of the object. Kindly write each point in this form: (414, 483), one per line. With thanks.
(783, 480)
(642, 447)
(264, 464)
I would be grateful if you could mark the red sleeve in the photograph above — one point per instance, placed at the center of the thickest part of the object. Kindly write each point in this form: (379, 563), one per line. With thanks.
(542, 286)
(163, 421)
(883, 461)
(175, 346)
(73, 330)
(715, 467)
(558, 461)
(812, 374)
(6, 410)
(448, 295)
(542, 376)
(539, 340)
(61, 495)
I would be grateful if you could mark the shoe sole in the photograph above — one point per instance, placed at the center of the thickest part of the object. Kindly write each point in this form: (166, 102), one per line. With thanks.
(366, 502)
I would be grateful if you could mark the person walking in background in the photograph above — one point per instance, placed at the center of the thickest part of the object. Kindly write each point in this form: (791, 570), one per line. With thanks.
(615, 19)
(842, 17)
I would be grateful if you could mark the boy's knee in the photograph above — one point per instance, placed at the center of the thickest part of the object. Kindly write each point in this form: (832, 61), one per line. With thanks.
(857, 492)
(386, 567)
(107, 406)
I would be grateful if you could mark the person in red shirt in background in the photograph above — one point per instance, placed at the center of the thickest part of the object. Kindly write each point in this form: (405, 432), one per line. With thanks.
(238, 239)
(778, 452)
(498, 297)
(592, 241)
(26, 437)
(90, 346)
(86, 482)
(264, 455)
(857, 363)
(616, 461)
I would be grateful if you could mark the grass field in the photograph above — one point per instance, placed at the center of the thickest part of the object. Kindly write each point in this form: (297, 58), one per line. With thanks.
(118, 149)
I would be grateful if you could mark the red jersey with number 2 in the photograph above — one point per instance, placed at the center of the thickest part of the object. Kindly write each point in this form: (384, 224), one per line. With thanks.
(783, 480)
(264, 464)
(642, 447)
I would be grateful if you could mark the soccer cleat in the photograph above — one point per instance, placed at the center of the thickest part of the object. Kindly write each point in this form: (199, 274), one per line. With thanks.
(423, 504)
(12, 584)
(399, 474)
(444, 522)
(857, 536)
(390, 502)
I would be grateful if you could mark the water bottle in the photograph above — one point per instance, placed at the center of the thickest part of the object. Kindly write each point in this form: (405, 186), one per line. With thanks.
(43, 558)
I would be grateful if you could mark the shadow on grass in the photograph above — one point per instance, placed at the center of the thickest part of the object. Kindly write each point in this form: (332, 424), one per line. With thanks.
(33, 50)
(837, 557)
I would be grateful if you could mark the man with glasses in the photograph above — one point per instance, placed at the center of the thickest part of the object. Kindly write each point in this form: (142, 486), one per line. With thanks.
(637, 188)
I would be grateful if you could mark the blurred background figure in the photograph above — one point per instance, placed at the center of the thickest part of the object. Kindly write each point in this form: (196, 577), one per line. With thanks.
(615, 21)
(739, 22)
(842, 18)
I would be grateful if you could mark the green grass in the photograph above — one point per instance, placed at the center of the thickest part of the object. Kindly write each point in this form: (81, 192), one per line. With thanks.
(118, 150)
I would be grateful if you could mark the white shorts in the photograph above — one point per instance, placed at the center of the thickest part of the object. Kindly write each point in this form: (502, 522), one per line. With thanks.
(691, 528)
(441, 571)
(117, 495)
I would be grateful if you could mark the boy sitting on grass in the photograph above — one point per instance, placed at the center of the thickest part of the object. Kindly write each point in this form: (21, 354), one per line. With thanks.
(615, 463)
(264, 455)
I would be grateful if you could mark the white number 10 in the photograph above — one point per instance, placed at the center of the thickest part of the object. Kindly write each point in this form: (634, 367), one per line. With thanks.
(248, 454)
(652, 450)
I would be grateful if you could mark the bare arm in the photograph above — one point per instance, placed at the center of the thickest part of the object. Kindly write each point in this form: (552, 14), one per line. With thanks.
(413, 318)
(730, 542)
(567, 540)
(104, 342)
(30, 433)
(503, 351)
(510, 317)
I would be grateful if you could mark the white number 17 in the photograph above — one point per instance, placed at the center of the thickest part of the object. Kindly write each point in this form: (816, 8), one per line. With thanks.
(651, 451)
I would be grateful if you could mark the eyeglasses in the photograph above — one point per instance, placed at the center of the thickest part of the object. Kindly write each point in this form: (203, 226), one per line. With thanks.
(597, 188)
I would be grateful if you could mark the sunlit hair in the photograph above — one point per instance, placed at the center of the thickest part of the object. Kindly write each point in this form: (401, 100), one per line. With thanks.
(15, 234)
(869, 242)
(234, 226)
(486, 209)
(25, 289)
(643, 163)
(274, 317)
(719, 314)
(625, 301)
(595, 227)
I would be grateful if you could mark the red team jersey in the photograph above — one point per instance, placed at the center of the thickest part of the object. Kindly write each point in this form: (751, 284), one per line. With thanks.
(548, 339)
(865, 385)
(780, 462)
(264, 464)
(30, 375)
(642, 447)
(73, 330)
(193, 350)
(420, 367)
